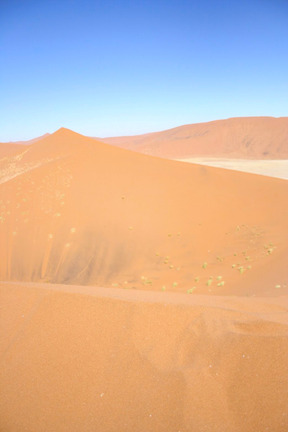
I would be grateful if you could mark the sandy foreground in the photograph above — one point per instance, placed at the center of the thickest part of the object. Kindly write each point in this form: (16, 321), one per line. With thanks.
(139, 293)
(77, 358)
(271, 168)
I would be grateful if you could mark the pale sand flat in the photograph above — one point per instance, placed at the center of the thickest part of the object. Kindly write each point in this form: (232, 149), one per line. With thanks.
(271, 168)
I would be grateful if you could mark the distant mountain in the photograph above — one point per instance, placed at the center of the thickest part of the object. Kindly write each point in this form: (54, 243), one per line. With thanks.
(243, 138)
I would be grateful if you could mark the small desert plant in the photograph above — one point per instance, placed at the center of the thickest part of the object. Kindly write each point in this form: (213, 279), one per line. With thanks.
(191, 290)
(241, 269)
(146, 281)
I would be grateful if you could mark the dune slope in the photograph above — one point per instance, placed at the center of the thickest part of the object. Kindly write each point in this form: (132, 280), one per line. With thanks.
(77, 211)
(246, 138)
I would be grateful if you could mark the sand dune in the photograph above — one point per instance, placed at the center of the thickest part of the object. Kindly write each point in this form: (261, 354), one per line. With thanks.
(26, 142)
(11, 148)
(246, 138)
(7, 149)
(77, 211)
(139, 293)
(82, 359)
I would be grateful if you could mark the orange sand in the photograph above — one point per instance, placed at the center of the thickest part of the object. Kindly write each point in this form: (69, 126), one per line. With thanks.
(78, 211)
(90, 359)
(198, 341)
(246, 138)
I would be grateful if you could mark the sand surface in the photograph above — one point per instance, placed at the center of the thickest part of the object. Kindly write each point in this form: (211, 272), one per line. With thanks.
(139, 293)
(77, 211)
(101, 359)
(241, 138)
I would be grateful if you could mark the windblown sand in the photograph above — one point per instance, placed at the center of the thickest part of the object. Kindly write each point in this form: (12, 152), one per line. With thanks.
(140, 294)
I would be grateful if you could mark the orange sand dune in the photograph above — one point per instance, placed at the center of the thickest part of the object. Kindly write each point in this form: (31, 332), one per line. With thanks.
(14, 149)
(94, 359)
(76, 211)
(246, 138)
(7, 149)
(198, 341)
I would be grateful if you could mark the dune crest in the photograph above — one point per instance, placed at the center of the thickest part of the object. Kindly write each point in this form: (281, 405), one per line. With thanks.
(242, 138)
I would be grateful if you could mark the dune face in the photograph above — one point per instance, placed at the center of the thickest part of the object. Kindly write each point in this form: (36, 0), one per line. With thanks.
(27, 142)
(76, 211)
(244, 138)
(7, 149)
(139, 293)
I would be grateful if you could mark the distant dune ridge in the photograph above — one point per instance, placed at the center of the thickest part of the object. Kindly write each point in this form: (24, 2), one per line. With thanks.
(244, 138)
(141, 294)
(27, 142)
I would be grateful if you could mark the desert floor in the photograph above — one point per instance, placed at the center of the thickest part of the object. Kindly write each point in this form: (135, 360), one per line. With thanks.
(271, 168)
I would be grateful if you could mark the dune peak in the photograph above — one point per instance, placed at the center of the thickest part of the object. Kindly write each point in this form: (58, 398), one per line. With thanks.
(64, 131)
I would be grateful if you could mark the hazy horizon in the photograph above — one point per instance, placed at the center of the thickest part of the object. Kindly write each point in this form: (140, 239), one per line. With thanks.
(144, 133)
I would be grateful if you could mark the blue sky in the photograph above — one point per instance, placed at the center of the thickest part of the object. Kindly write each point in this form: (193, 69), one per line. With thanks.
(106, 68)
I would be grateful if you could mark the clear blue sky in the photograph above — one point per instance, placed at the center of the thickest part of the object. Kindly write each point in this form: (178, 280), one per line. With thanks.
(105, 68)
